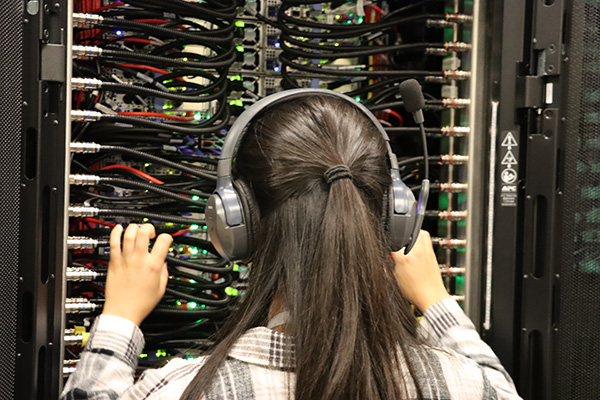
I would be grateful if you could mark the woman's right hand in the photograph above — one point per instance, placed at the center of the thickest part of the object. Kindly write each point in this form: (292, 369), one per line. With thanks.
(418, 274)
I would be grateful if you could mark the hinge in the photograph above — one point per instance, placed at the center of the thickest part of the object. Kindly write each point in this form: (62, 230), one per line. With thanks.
(529, 92)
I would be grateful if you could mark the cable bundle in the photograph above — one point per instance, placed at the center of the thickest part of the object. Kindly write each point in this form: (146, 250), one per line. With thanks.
(150, 102)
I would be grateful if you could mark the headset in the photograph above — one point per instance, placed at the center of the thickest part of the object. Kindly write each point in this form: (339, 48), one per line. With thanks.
(232, 216)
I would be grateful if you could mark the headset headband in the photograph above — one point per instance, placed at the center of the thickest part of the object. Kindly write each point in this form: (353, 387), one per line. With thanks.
(238, 129)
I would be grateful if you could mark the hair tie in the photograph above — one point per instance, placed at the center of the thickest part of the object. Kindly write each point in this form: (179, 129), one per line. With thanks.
(337, 172)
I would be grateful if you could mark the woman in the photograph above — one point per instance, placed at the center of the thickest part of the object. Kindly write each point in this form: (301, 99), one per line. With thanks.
(327, 314)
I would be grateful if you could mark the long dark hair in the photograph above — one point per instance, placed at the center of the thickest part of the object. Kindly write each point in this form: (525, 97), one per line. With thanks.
(323, 250)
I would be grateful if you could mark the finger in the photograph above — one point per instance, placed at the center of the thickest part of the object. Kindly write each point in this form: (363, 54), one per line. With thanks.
(164, 278)
(129, 239)
(161, 246)
(150, 229)
(143, 238)
(115, 244)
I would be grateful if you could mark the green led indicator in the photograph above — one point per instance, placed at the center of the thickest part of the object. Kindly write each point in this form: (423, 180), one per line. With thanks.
(193, 250)
(204, 252)
(240, 48)
(195, 198)
(194, 227)
(236, 267)
(240, 24)
(191, 305)
(238, 103)
(204, 227)
(161, 353)
(143, 355)
(236, 78)
(197, 116)
(231, 291)
(360, 20)
(357, 98)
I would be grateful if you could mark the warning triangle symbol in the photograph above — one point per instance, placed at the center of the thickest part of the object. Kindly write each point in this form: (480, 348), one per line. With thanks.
(509, 159)
(509, 140)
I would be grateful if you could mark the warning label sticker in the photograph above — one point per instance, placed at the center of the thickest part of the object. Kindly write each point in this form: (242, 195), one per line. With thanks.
(509, 165)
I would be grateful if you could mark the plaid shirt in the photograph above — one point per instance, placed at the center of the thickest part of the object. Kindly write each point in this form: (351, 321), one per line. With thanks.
(462, 366)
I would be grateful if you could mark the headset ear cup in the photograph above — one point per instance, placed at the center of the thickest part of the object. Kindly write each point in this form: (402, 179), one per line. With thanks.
(250, 210)
(400, 226)
(385, 214)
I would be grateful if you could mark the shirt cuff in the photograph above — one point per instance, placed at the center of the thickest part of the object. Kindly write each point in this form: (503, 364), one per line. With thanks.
(118, 337)
(444, 315)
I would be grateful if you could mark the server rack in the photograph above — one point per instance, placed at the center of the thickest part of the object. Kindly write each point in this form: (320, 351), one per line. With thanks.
(544, 298)
(34, 95)
(525, 280)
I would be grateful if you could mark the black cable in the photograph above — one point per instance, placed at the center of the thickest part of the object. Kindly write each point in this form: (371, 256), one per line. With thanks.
(125, 88)
(147, 58)
(148, 215)
(393, 104)
(161, 161)
(360, 52)
(187, 327)
(185, 8)
(200, 300)
(151, 188)
(85, 193)
(171, 127)
(417, 159)
(341, 31)
(201, 283)
(160, 31)
(412, 130)
(207, 312)
(425, 152)
(337, 72)
(200, 267)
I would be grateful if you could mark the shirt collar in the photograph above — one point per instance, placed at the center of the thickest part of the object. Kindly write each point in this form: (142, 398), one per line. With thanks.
(265, 347)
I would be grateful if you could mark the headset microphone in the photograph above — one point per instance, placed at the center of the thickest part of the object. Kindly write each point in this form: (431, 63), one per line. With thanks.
(414, 102)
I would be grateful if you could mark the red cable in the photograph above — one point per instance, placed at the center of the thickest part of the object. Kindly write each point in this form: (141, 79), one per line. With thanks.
(136, 171)
(127, 39)
(152, 21)
(100, 222)
(149, 68)
(378, 9)
(116, 4)
(155, 114)
(91, 260)
(181, 232)
(395, 114)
